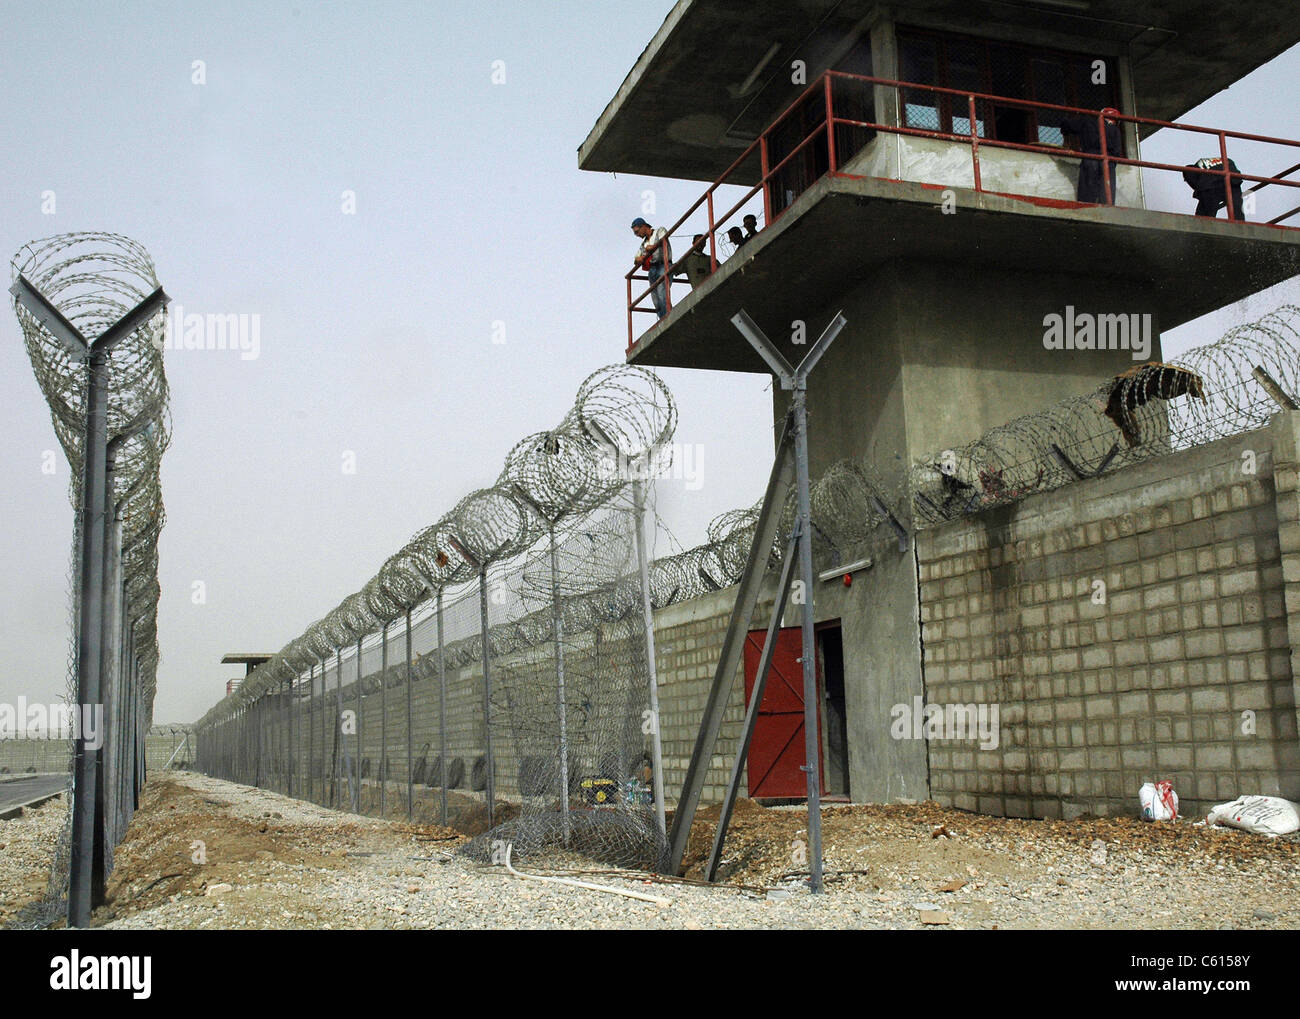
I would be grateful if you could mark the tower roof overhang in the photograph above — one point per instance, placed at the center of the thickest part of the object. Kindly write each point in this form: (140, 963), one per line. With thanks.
(717, 73)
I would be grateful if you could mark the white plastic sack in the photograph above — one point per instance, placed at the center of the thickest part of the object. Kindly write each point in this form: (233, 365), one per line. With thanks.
(1259, 815)
(1159, 801)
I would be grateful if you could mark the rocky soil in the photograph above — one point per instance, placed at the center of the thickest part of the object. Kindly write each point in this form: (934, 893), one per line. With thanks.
(203, 853)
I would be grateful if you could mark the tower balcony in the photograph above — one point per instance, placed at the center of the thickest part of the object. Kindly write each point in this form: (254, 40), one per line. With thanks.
(951, 179)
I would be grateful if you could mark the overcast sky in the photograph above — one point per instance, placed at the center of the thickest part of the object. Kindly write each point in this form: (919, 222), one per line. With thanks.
(376, 328)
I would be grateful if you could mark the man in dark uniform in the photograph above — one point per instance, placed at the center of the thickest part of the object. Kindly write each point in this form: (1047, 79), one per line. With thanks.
(1086, 132)
(1207, 187)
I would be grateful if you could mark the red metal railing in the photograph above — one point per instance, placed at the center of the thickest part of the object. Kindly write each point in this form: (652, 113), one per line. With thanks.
(769, 174)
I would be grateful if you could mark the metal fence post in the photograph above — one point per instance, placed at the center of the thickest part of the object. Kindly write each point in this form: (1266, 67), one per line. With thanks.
(487, 691)
(360, 753)
(643, 572)
(383, 718)
(557, 627)
(410, 753)
(442, 710)
(311, 730)
(84, 883)
(812, 743)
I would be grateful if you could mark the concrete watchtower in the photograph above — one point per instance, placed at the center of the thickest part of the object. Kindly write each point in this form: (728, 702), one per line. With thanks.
(916, 164)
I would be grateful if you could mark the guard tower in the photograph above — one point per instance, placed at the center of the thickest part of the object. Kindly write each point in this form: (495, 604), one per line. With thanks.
(939, 211)
(249, 661)
(916, 165)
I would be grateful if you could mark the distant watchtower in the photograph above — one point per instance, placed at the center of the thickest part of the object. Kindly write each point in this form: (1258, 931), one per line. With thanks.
(249, 661)
(917, 165)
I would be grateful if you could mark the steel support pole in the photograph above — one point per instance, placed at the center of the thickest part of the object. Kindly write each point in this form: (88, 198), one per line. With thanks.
(86, 875)
(755, 701)
(336, 757)
(1275, 392)
(410, 751)
(346, 759)
(557, 631)
(791, 454)
(286, 737)
(311, 731)
(442, 708)
(256, 712)
(138, 732)
(295, 729)
(557, 636)
(324, 711)
(487, 692)
(360, 751)
(124, 626)
(812, 745)
(643, 569)
(84, 884)
(113, 777)
(765, 533)
(383, 718)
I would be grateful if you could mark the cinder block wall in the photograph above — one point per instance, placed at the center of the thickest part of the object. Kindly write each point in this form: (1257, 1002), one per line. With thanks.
(1179, 668)
(688, 643)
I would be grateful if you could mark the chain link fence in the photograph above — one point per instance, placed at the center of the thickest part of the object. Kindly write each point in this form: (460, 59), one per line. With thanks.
(497, 674)
(510, 638)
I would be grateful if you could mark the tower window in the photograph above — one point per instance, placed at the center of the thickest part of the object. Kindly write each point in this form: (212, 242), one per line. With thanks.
(1002, 69)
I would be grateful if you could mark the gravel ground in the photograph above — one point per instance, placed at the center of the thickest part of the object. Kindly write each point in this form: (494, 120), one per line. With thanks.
(26, 853)
(273, 862)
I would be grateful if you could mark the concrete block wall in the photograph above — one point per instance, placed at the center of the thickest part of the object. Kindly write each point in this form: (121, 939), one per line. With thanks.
(1179, 668)
(688, 643)
(1286, 483)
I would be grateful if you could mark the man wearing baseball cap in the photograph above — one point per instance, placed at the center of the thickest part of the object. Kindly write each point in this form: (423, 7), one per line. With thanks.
(654, 255)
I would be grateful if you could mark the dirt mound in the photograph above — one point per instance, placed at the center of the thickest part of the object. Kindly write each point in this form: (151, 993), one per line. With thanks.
(771, 845)
(466, 814)
(184, 841)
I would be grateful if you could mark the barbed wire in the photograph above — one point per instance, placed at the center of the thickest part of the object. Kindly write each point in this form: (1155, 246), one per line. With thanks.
(1152, 409)
(517, 536)
(94, 279)
(553, 536)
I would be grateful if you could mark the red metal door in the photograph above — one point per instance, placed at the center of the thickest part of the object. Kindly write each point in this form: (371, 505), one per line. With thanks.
(776, 753)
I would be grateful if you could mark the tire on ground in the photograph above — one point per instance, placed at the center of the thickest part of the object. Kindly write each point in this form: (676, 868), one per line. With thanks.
(456, 773)
(478, 774)
(535, 776)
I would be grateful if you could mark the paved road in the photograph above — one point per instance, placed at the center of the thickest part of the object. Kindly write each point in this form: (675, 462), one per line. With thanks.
(20, 790)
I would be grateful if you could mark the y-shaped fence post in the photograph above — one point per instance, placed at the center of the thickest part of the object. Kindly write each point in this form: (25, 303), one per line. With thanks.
(86, 878)
(794, 443)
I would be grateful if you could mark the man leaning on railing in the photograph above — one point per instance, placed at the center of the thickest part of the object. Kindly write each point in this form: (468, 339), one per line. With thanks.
(1206, 179)
(653, 256)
